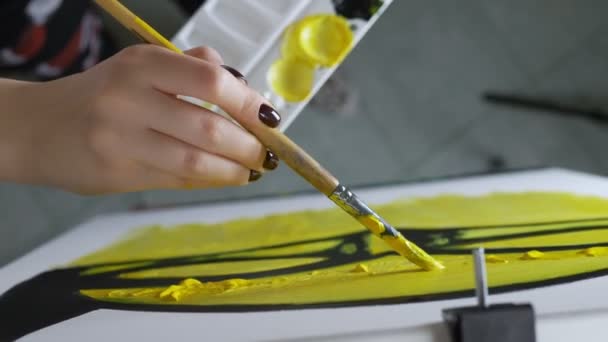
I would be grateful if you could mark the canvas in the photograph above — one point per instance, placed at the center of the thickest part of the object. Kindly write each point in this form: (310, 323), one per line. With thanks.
(271, 265)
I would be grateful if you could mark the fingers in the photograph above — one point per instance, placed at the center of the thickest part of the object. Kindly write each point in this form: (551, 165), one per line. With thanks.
(206, 53)
(186, 162)
(190, 76)
(192, 143)
(152, 178)
(206, 130)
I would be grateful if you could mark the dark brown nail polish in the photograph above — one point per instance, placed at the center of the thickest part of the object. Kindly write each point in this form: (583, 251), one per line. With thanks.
(235, 73)
(271, 162)
(269, 116)
(254, 176)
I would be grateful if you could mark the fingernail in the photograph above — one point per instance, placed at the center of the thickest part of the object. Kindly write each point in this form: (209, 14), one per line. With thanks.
(271, 162)
(269, 116)
(235, 73)
(254, 176)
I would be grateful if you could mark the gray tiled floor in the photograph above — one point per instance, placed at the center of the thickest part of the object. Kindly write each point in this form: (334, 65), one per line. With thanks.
(420, 71)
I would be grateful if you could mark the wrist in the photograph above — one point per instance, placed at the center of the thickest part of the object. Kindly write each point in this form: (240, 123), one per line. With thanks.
(16, 115)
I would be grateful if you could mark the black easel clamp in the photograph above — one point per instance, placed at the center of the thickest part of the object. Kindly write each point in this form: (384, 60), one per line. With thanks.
(490, 323)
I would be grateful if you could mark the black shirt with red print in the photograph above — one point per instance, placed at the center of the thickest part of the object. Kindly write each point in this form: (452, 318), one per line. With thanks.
(54, 38)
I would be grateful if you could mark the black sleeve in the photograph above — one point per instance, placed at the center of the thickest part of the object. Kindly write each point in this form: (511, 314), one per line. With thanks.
(12, 21)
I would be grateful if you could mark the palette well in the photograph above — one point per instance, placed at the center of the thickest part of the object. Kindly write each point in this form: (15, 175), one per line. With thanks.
(248, 34)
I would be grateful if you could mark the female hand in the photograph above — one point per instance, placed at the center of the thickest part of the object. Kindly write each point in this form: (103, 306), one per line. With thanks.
(119, 127)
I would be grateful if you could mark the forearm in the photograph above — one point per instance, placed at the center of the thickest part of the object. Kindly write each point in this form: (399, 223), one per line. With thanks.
(15, 107)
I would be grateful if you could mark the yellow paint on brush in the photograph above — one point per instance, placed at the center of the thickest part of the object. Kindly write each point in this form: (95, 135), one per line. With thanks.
(272, 243)
(594, 251)
(372, 223)
(403, 246)
(413, 253)
(533, 255)
(495, 259)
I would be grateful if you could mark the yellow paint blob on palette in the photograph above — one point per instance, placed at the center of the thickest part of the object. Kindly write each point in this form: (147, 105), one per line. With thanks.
(319, 40)
(321, 259)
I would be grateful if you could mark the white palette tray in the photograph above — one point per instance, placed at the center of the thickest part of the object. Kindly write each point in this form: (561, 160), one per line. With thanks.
(247, 33)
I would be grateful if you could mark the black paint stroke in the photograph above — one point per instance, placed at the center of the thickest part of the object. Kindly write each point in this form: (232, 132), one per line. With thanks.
(54, 296)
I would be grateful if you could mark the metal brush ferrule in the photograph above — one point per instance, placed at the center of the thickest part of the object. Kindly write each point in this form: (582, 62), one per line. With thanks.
(350, 203)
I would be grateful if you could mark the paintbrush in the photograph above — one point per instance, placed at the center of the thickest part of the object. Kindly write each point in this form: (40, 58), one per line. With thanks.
(295, 157)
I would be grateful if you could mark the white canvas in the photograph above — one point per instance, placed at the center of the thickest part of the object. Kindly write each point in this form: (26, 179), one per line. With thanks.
(575, 308)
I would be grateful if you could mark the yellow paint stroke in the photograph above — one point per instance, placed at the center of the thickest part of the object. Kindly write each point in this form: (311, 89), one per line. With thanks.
(218, 268)
(595, 251)
(302, 248)
(360, 268)
(562, 239)
(533, 255)
(112, 268)
(184, 289)
(309, 234)
(495, 259)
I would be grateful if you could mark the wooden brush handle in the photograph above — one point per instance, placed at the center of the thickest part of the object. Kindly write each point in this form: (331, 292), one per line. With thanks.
(132, 22)
(297, 159)
(118, 11)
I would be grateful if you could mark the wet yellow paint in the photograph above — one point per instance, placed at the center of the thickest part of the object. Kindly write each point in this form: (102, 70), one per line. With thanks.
(360, 268)
(291, 47)
(495, 259)
(413, 253)
(292, 79)
(185, 288)
(533, 255)
(401, 245)
(217, 268)
(326, 39)
(372, 223)
(404, 247)
(113, 268)
(595, 251)
(278, 242)
(316, 40)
